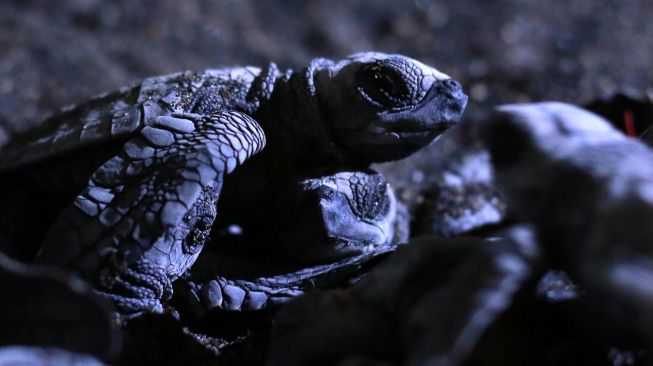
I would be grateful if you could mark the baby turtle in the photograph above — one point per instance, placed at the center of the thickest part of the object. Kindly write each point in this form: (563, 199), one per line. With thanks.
(331, 229)
(150, 160)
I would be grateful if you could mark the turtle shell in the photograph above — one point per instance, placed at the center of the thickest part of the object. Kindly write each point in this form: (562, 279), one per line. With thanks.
(116, 116)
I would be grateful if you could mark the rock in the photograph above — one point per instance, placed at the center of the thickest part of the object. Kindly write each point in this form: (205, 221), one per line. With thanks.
(556, 286)
(448, 187)
(39, 356)
(161, 339)
(461, 197)
(42, 307)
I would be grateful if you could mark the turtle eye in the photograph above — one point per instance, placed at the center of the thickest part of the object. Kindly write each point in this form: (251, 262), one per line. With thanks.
(326, 192)
(383, 86)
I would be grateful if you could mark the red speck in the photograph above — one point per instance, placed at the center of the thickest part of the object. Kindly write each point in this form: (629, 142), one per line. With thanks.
(629, 122)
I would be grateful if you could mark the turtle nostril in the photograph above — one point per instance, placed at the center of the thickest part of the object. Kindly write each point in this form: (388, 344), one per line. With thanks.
(450, 88)
(452, 85)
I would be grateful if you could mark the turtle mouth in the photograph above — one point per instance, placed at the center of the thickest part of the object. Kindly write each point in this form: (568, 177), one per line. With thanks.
(437, 112)
(392, 135)
(403, 133)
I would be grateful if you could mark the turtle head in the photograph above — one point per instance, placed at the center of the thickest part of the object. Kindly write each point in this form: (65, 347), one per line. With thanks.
(382, 107)
(342, 215)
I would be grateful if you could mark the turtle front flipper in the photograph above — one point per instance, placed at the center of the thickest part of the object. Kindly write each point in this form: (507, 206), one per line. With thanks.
(147, 212)
(238, 294)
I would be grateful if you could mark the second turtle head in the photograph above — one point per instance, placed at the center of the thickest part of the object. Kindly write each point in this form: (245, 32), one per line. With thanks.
(343, 214)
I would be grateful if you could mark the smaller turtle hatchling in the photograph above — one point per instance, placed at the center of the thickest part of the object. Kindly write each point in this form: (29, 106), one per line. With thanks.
(330, 229)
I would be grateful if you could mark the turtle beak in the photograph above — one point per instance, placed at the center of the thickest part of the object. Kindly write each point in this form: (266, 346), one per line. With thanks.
(441, 108)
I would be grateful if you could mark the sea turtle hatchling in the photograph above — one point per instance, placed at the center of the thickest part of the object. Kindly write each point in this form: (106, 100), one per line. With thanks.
(150, 160)
(342, 222)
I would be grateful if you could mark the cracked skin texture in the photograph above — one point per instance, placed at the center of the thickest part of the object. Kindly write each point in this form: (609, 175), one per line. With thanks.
(148, 158)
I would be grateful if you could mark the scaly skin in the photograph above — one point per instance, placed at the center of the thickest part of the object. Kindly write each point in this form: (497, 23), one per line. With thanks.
(145, 214)
(237, 294)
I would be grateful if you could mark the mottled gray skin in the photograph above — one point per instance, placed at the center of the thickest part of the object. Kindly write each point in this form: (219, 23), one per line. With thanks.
(142, 218)
(332, 227)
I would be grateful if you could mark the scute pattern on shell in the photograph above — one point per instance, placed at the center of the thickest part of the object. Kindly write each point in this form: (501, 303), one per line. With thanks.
(121, 113)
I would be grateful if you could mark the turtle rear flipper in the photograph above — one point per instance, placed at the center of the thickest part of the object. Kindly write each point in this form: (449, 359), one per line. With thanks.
(147, 212)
